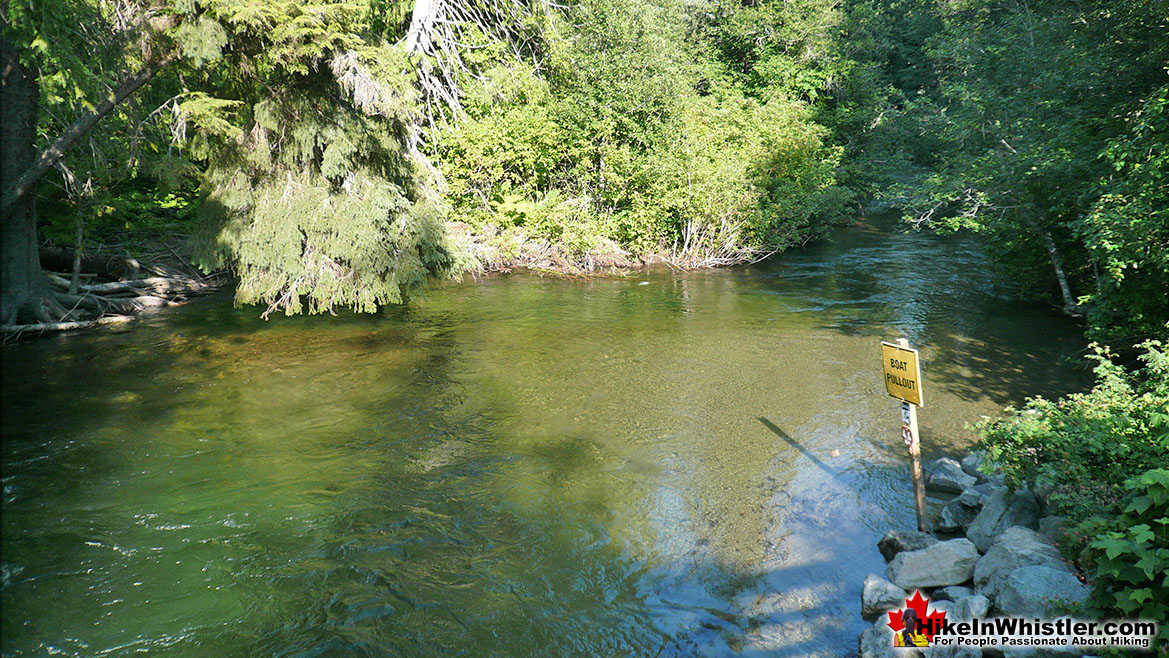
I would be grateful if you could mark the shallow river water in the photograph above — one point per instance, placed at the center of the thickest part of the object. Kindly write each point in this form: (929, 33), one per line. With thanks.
(663, 464)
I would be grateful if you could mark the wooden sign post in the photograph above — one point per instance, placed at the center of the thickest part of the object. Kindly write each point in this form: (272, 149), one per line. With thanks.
(903, 381)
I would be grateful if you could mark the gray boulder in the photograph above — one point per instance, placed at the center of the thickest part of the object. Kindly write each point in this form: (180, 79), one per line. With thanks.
(896, 541)
(1002, 510)
(952, 593)
(944, 563)
(945, 474)
(947, 607)
(880, 595)
(955, 516)
(1040, 591)
(971, 607)
(877, 642)
(974, 497)
(1051, 529)
(1043, 489)
(1015, 548)
(972, 465)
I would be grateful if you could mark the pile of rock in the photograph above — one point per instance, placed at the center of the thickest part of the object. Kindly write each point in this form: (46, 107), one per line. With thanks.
(1002, 560)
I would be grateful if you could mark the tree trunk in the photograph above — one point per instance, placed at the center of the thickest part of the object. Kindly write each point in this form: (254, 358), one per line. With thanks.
(18, 187)
(421, 25)
(24, 289)
(1069, 302)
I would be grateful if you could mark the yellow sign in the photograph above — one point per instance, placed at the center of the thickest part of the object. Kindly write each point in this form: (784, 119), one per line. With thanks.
(902, 372)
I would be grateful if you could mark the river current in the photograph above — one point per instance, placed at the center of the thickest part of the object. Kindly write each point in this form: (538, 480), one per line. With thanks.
(660, 464)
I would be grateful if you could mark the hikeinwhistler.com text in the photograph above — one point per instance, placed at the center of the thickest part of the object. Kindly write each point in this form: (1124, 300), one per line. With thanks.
(1061, 632)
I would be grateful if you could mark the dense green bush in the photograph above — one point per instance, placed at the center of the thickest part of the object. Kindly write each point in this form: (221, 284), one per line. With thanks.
(1089, 444)
(1039, 126)
(1132, 554)
(1127, 229)
(1104, 455)
(640, 132)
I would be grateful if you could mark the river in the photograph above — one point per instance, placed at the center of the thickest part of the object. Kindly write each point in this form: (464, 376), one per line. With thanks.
(663, 464)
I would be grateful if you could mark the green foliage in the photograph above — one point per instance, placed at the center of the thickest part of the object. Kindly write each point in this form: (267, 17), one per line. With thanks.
(1104, 454)
(123, 215)
(82, 50)
(1126, 231)
(711, 130)
(1132, 554)
(1089, 444)
(642, 134)
(1009, 119)
(361, 248)
(311, 191)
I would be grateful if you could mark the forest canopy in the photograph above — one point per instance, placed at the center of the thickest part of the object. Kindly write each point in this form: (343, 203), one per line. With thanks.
(337, 154)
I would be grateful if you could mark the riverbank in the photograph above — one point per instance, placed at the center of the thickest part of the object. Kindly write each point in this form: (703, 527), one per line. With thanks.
(112, 288)
(504, 251)
(994, 551)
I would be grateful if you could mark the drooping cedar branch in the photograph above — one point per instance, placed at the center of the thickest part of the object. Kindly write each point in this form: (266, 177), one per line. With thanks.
(53, 153)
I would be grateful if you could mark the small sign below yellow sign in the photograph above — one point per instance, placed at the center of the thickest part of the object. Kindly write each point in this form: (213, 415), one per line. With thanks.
(902, 372)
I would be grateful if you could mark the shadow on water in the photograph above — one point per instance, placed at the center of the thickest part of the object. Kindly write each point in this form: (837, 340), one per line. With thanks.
(793, 443)
(1008, 368)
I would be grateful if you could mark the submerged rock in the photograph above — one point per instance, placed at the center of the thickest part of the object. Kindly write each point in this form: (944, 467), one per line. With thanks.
(896, 541)
(944, 563)
(945, 474)
(1002, 510)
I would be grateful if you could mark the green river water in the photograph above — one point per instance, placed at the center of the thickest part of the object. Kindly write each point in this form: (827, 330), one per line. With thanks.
(665, 464)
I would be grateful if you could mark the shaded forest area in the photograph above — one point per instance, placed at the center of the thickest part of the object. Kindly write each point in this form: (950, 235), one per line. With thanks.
(336, 154)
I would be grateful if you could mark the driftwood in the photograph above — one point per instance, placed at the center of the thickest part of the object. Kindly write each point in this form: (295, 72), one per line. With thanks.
(105, 286)
(12, 331)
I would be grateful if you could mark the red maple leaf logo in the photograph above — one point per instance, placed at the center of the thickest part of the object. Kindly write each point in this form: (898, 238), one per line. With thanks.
(931, 622)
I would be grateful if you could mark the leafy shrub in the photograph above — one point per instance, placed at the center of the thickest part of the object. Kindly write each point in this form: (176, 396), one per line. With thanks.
(1104, 453)
(1132, 567)
(639, 133)
(1087, 445)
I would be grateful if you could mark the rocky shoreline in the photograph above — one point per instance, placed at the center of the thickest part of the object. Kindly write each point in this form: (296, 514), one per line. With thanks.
(993, 553)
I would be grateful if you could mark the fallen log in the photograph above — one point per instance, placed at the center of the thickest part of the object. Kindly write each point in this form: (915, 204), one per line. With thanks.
(102, 304)
(109, 266)
(158, 284)
(18, 329)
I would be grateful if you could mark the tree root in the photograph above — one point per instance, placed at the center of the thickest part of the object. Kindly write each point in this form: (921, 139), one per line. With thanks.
(104, 303)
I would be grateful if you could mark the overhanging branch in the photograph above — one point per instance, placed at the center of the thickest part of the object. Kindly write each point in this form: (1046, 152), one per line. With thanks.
(53, 153)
